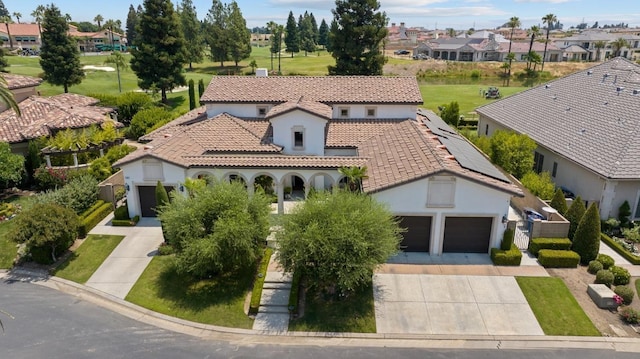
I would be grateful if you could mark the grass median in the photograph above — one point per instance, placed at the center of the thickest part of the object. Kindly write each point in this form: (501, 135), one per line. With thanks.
(554, 306)
(85, 260)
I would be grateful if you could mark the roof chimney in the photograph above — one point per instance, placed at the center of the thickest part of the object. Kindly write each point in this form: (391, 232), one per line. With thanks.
(262, 72)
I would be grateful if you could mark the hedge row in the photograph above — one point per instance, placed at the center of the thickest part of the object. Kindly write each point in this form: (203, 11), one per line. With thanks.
(552, 258)
(512, 257)
(295, 292)
(88, 222)
(256, 293)
(125, 222)
(90, 210)
(618, 248)
(536, 244)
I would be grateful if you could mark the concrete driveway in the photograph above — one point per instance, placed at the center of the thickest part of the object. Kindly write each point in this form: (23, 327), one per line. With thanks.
(452, 304)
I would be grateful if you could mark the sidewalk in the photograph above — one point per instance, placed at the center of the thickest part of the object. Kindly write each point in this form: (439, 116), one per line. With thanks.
(121, 270)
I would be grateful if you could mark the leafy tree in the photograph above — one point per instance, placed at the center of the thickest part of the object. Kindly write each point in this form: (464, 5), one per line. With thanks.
(323, 34)
(358, 39)
(132, 23)
(200, 89)
(3, 10)
(451, 113)
(192, 95)
(253, 64)
(559, 203)
(513, 152)
(275, 40)
(78, 194)
(599, 45)
(307, 36)
(513, 23)
(11, 166)
(159, 56)
(130, 103)
(85, 26)
(192, 30)
(239, 35)
(59, 54)
(33, 159)
(574, 215)
(354, 176)
(540, 185)
(217, 37)
(336, 240)
(549, 20)
(217, 228)
(291, 36)
(145, 120)
(586, 240)
(162, 197)
(48, 227)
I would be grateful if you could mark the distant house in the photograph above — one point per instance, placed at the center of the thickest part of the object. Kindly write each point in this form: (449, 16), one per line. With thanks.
(297, 132)
(28, 37)
(587, 41)
(587, 128)
(21, 86)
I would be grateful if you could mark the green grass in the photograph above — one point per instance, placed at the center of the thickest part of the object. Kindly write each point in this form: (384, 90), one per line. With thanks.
(8, 248)
(638, 288)
(85, 260)
(468, 96)
(554, 306)
(218, 301)
(355, 314)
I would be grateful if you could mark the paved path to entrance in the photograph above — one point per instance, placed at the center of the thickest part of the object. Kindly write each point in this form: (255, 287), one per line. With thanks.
(121, 270)
(273, 314)
(451, 305)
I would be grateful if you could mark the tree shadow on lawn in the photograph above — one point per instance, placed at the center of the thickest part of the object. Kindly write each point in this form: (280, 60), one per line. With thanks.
(199, 294)
(220, 70)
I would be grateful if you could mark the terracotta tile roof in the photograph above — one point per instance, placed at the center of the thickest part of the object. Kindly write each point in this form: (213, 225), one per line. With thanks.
(343, 133)
(197, 114)
(312, 107)
(589, 117)
(21, 29)
(42, 115)
(277, 161)
(325, 89)
(15, 82)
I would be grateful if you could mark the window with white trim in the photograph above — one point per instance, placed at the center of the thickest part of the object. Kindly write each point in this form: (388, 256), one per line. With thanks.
(298, 137)
(152, 171)
(370, 112)
(441, 191)
(262, 110)
(344, 112)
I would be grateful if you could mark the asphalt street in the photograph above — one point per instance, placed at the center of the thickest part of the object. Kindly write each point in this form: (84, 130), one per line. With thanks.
(43, 323)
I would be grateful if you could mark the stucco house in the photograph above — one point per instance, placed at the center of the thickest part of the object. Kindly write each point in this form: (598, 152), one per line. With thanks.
(587, 128)
(299, 131)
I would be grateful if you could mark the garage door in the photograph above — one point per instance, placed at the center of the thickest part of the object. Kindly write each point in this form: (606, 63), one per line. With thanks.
(467, 234)
(147, 196)
(418, 234)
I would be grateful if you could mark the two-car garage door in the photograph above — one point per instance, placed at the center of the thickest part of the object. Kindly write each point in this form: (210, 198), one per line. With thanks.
(461, 234)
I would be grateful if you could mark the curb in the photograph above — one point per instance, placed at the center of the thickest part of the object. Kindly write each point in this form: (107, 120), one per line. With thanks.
(250, 336)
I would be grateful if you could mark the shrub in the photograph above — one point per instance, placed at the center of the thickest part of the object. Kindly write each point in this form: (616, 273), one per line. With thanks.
(49, 178)
(626, 293)
(105, 99)
(192, 95)
(117, 152)
(586, 240)
(559, 203)
(551, 258)
(130, 103)
(94, 207)
(162, 197)
(606, 260)
(165, 249)
(594, 267)
(121, 213)
(632, 234)
(90, 221)
(512, 257)
(451, 113)
(536, 244)
(144, 120)
(621, 275)
(100, 168)
(634, 259)
(630, 315)
(513, 152)
(507, 239)
(624, 211)
(539, 184)
(574, 215)
(256, 293)
(484, 144)
(295, 292)
(125, 222)
(605, 277)
(79, 194)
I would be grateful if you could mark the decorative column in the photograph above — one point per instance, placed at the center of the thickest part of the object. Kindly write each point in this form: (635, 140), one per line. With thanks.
(48, 159)
(75, 159)
(280, 190)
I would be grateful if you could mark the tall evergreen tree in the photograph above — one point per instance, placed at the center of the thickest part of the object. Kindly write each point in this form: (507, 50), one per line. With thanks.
(586, 240)
(192, 31)
(314, 28)
(574, 214)
(291, 37)
(132, 22)
(323, 34)
(59, 54)
(558, 202)
(200, 90)
(239, 34)
(192, 95)
(3, 61)
(307, 37)
(3, 10)
(159, 57)
(357, 41)
(216, 37)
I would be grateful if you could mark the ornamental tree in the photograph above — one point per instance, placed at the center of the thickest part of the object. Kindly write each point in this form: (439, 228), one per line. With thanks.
(558, 202)
(11, 166)
(574, 215)
(586, 240)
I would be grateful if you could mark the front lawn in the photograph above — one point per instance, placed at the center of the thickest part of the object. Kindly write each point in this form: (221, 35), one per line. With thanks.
(218, 300)
(355, 314)
(8, 248)
(554, 306)
(85, 260)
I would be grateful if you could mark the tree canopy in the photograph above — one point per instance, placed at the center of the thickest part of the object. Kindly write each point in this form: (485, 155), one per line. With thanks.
(159, 56)
(239, 35)
(192, 30)
(323, 33)
(291, 35)
(513, 152)
(11, 166)
(336, 240)
(356, 43)
(574, 215)
(586, 240)
(217, 36)
(132, 23)
(59, 54)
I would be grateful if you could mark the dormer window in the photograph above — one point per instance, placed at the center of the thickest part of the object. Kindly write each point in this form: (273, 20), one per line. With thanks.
(262, 111)
(298, 138)
(370, 112)
(344, 112)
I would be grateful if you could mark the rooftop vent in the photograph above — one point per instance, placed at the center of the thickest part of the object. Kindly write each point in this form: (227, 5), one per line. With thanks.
(619, 89)
(450, 157)
(547, 86)
(147, 147)
(589, 72)
(262, 72)
(442, 147)
(636, 92)
(583, 130)
(555, 97)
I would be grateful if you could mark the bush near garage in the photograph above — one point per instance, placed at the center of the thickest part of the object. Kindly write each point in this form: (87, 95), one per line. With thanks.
(512, 257)
(90, 220)
(621, 275)
(507, 239)
(536, 244)
(551, 258)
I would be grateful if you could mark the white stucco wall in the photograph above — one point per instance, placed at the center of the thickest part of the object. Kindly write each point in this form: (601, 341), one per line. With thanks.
(624, 191)
(239, 109)
(312, 126)
(471, 200)
(382, 111)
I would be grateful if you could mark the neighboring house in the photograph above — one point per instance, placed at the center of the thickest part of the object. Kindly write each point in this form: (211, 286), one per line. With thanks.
(45, 116)
(21, 86)
(28, 36)
(588, 39)
(587, 128)
(299, 131)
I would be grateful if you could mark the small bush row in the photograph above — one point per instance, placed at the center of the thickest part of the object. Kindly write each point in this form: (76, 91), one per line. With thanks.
(91, 220)
(618, 248)
(295, 292)
(552, 258)
(125, 222)
(256, 293)
(536, 244)
(512, 257)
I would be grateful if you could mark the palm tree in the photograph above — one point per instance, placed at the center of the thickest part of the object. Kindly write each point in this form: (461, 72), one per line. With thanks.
(599, 45)
(117, 59)
(17, 15)
(38, 15)
(354, 176)
(618, 44)
(67, 17)
(6, 96)
(533, 32)
(7, 20)
(513, 23)
(548, 19)
(99, 20)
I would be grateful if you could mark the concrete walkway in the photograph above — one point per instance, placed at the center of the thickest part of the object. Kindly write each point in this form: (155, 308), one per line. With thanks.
(273, 315)
(120, 271)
